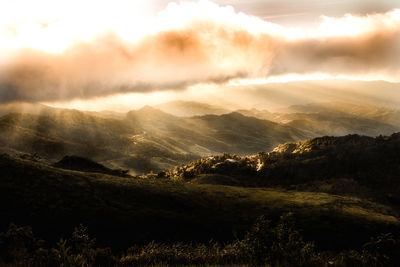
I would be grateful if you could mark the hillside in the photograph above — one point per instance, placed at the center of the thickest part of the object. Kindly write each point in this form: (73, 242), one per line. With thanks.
(339, 118)
(123, 211)
(315, 119)
(149, 139)
(145, 140)
(191, 108)
(114, 143)
(86, 165)
(67, 132)
(350, 165)
(22, 107)
(334, 118)
(210, 134)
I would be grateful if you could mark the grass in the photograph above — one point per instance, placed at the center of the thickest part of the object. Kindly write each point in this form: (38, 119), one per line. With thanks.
(125, 211)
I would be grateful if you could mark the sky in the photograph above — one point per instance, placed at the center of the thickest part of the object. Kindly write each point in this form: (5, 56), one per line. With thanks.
(306, 13)
(94, 53)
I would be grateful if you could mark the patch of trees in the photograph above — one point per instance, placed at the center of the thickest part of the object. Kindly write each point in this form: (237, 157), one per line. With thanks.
(227, 164)
(372, 163)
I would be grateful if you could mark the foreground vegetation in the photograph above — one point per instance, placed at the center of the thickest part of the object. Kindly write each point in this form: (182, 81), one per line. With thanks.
(119, 210)
(265, 244)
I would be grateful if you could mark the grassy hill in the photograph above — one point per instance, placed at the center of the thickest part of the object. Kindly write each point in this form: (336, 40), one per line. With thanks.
(349, 165)
(124, 211)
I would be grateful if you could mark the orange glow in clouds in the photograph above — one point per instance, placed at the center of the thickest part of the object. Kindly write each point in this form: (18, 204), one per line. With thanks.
(59, 51)
(53, 25)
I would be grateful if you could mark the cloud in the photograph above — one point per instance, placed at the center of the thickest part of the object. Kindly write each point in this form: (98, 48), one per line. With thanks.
(369, 54)
(200, 42)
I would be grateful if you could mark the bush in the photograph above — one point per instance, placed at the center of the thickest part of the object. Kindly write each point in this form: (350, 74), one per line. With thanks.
(281, 245)
(19, 247)
(265, 244)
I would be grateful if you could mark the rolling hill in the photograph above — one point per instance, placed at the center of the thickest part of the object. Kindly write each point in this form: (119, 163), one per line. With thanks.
(231, 132)
(349, 165)
(149, 139)
(146, 139)
(334, 118)
(191, 108)
(315, 119)
(124, 211)
(338, 191)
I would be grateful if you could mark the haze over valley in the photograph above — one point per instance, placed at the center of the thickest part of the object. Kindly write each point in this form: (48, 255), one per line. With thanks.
(157, 138)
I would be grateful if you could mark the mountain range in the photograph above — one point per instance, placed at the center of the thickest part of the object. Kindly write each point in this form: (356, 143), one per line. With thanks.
(149, 139)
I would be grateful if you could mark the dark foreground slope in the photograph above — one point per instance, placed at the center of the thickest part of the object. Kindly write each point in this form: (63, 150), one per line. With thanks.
(125, 211)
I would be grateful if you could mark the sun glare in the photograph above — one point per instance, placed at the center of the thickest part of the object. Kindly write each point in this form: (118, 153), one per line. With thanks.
(52, 26)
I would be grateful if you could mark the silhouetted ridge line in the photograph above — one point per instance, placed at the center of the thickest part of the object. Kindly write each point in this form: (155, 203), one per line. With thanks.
(86, 165)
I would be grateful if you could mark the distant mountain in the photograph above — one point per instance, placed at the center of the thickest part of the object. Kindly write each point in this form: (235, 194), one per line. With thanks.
(246, 135)
(233, 132)
(146, 139)
(70, 132)
(148, 114)
(377, 113)
(107, 114)
(191, 108)
(260, 114)
(326, 123)
(334, 118)
(339, 118)
(29, 108)
(149, 139)
(67, 130)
